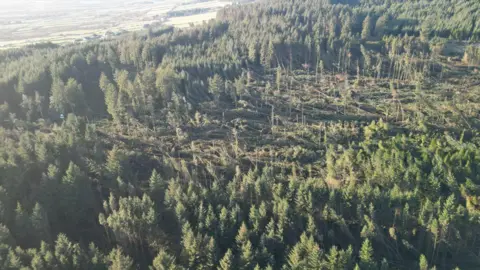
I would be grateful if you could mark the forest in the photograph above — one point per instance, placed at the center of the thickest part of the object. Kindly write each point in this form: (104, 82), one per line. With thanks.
(285, 134)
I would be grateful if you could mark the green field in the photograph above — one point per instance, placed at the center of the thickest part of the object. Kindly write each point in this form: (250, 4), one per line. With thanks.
(64, 21)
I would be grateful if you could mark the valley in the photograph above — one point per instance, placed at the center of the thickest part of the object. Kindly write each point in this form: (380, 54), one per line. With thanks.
(66, 21)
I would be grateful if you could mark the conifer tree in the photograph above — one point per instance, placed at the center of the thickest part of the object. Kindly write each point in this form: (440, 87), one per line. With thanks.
(366, 28)
(226, 263)
(164, 261)
(155, 181)
(216, 86)
(346, 28)
(246, 257)
(366, 256)
(423, 263)
(278, 79)
(252, 53)
(40, 223)
(119, 261)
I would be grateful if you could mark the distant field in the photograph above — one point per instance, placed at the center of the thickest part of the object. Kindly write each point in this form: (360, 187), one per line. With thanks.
(185, 21)
(25, 22)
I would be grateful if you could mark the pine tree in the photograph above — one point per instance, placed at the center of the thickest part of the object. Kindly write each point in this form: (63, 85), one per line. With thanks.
(308, 46)
(264, 53)
(40, 223)
(38, 263)
(155, 181)
(246, 257)
(76, 196)
(279, 78)
(366, 58)
(346, 28)
(164, 261)
(216, 86)
(240, 88)
(254, 218)
(191, 246)
(98, 260)
(270, 54)
(111, 96)
(227, 261)
(332, 27)
(68, 254)
(210, 254)
(295, 260)
(68, 97)
(242, 235)
(366, 256)
(22, 225)
(314, 256)
(252, 53)
(366, 28)
(119, 261)
(131, 220)
(332, 259)
(123, 82)
(305, 254)
(167, 82)
(423, 262)
(5, 236)
(380, 25)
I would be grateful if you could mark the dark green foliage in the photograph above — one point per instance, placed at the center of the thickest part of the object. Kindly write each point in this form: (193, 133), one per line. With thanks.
(308, 134)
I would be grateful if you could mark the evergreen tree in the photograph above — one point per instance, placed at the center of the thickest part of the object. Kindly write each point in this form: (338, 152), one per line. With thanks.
(346, 28)
(210, 254)
(252, 53)
(155, 182)
(119, 261)
(380, 25)
(246, 258)
(423, 263)
(163, 261)
(226, 263)
(366, 255)
(167, 82)
(67, 98)
(279, 78)
(216, 86)
(367, 28)
(40, 223)
(68, 254)
(131, 220)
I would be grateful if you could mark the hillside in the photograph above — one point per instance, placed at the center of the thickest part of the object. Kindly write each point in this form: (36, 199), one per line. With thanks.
(306, 134)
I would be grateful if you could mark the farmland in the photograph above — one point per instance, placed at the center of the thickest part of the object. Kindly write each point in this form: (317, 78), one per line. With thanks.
(63, 21)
